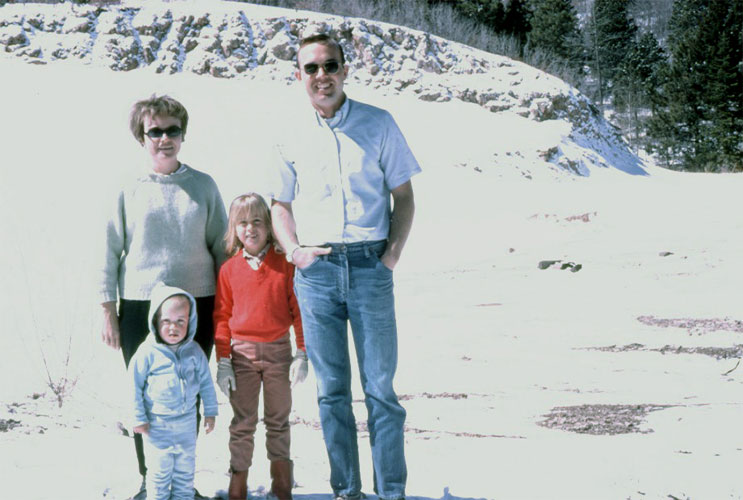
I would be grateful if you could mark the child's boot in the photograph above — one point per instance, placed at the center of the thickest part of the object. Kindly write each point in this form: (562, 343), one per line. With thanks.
(281, 479)
(238, 485)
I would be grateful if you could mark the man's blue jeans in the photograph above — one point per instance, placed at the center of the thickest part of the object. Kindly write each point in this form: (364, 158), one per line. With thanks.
(352, 284)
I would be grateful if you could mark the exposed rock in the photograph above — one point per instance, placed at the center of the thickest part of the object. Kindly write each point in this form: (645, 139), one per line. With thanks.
(153, 23)
(282, 46)
(78, 25)
(121, 53)
(548, 154)
(114, 23)
(238, 39)
(13, 35)
(227, 43)
(74, 45)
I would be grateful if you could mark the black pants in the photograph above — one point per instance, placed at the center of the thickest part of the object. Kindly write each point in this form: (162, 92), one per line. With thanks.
(134, 329)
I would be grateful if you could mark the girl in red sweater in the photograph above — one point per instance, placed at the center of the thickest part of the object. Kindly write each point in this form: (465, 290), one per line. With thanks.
(254, 308)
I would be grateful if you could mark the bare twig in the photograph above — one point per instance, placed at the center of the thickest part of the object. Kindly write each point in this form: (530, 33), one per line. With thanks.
(732, 369)
(63, 385)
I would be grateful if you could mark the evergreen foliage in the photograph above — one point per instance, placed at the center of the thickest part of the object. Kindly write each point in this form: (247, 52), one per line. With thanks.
(637, 81)
(612, 37)
(517, 20)
(554, 28)
(699, 124)
(641, 73)
(487, 12)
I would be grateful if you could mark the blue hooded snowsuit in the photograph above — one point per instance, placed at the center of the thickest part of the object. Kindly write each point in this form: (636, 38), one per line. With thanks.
(165, 386)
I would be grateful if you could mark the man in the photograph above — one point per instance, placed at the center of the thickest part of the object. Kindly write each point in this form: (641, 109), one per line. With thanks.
(332, 215)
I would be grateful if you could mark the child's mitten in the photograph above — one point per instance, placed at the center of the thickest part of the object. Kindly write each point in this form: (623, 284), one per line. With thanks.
(298, 368)
(226, 376)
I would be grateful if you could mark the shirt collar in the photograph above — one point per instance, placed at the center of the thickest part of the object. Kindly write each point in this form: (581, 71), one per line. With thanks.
(256, 260)
(339, 115)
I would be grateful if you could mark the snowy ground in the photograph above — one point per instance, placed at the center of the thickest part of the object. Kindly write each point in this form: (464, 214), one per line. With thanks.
(490, 344)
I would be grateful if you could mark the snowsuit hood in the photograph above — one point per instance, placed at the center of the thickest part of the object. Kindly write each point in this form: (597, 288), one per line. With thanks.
(160, 294)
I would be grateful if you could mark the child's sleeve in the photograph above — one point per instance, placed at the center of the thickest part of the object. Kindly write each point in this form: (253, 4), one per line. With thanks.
(222, 314)
(294, 311)
(139, 367)
(206, 387)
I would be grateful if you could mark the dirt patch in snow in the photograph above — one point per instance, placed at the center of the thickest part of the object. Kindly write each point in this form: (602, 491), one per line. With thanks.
(440, 395)
(600, 419)
(735, 351)
(695, 326)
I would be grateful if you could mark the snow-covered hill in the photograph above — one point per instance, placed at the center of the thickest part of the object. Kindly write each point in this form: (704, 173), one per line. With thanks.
(235, 40)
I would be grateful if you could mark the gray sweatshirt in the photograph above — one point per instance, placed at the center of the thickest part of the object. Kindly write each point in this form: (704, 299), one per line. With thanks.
(164, 228)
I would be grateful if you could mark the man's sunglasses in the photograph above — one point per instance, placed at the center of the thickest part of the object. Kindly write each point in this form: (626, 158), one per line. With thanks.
(331, 67)
(157, 132)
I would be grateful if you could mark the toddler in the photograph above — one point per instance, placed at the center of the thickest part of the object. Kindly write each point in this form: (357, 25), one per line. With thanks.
(168, 370)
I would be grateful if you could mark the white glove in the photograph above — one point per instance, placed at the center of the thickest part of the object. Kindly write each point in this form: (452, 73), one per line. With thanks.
(298, 368)
(226, 376)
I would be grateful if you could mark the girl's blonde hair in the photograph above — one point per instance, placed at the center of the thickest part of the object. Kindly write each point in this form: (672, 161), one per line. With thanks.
(246, 207)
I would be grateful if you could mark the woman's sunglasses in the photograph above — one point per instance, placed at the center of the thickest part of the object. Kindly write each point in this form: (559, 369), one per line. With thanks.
(157, 132)
(331, 67)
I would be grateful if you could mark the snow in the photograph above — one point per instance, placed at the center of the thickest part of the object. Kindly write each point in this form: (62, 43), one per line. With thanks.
(489, 343)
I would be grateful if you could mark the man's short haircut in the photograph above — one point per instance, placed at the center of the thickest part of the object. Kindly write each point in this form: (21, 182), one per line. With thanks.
(156, 106)
(324, 39)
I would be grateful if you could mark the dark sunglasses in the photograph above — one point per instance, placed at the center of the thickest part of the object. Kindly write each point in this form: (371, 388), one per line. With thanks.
(331, 67)
(157, 132)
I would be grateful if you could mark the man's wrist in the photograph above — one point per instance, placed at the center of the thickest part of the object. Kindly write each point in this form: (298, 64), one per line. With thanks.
(290, 253)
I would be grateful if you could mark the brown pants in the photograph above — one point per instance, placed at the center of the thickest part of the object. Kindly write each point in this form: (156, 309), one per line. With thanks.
(255, 363)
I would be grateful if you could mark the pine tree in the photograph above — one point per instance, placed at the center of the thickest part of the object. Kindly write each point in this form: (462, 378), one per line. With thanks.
(612, 34)
(517, 20)
(495, 15)
(726, 83)
(700, 123)
(637, 81)
(487, 12)
(554, 28)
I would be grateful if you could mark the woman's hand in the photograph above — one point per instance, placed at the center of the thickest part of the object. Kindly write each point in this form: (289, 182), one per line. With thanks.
(110, 331)
(142, 429)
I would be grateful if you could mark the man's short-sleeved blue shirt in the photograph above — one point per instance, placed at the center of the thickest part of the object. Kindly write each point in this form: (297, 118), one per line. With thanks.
(338, 173)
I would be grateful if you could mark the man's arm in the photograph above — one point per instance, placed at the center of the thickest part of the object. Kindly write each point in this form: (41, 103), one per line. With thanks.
(400, 224)
(285, 230)
(284, 226)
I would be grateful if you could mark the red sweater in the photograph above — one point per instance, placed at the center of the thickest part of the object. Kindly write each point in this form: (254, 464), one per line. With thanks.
(258, 306)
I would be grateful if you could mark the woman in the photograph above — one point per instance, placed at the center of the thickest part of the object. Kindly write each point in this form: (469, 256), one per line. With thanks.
(167, 226)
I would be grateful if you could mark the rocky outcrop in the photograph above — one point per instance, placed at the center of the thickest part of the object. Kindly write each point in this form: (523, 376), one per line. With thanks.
(230, 40)
(237, 40)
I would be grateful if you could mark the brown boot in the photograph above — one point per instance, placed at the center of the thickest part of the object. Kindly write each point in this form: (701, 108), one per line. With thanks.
(282, 479)
(238, 485)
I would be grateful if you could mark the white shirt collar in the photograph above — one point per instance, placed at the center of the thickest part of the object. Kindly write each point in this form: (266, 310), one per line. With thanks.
(255, 261)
